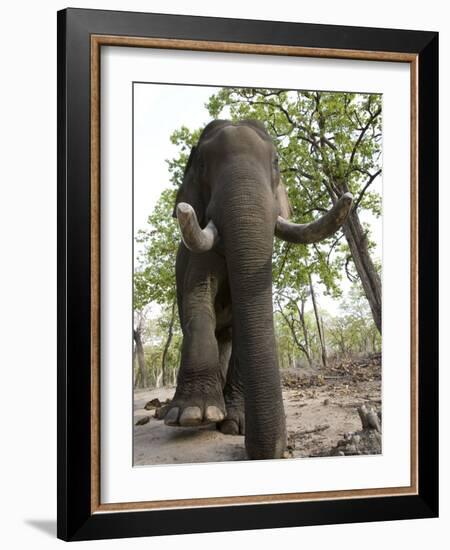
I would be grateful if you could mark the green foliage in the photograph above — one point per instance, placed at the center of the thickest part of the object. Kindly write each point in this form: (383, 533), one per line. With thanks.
(154, 277)
(328, 143)
(185, 139)
(353, 331)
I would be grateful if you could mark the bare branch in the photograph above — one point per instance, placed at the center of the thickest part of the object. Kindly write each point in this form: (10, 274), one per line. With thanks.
(350, 277)
(362, 133)
(364, 189)
(333, 246)
(283, 262)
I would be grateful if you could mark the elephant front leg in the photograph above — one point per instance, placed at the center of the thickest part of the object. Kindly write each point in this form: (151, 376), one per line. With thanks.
(234, 421)
(199, 397)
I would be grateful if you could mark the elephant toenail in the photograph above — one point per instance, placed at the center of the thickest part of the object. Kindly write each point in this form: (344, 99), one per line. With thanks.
(214, 414)
(191, 416)
(171, 417)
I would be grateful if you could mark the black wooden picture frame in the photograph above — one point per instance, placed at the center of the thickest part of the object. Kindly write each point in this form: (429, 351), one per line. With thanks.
(79, 516)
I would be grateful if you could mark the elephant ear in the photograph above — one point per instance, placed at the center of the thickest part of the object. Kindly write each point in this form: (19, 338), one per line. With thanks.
(189, 190)
(283, 202)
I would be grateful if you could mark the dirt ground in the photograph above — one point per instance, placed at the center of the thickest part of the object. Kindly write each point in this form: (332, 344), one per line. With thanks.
(321, 408)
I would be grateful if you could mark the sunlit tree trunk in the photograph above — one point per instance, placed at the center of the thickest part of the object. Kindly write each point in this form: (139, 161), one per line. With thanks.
(319, 324)
(135, 367)
(301, 315)
(165, 377)
(370, 279)
(140, 357)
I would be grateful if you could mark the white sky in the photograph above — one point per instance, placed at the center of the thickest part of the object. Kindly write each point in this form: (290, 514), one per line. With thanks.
(161, 109)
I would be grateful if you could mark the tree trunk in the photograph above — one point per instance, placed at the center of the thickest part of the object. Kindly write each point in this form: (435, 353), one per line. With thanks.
(158, 379)
(301, 314)
(140, 357)
(135, 368)
(319, 325)
(167, 345)
(370, 280)
(374, 345)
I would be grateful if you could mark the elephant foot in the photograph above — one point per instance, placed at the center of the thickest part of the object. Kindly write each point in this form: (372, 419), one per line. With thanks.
(193, 407)
(233, 423)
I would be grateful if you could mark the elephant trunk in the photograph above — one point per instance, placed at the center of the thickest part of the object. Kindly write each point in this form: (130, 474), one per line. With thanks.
(247, 230)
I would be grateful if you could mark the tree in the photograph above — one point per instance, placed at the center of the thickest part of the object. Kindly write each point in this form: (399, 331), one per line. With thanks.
(140, 378)
(319, 324)
(154, 277)
(353, 331)
(292, 311)
(169, 327)
(329, 143)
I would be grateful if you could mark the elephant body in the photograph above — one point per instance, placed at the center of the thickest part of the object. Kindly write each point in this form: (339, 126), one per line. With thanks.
(229, 206)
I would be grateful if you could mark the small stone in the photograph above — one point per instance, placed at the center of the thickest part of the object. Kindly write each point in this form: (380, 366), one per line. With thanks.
(153, 404)
(160, 413)
(326, 402)
(143, 420)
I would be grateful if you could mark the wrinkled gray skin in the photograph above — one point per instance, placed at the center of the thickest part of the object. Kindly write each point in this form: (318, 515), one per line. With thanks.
(229, 371)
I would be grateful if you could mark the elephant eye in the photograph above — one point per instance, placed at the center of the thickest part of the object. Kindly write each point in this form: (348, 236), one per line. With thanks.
(275, 162)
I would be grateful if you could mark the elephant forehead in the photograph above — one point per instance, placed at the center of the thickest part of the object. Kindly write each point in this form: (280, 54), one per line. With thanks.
(238, 139)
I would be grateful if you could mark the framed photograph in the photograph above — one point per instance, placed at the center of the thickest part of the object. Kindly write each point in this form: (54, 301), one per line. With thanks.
(247, 287)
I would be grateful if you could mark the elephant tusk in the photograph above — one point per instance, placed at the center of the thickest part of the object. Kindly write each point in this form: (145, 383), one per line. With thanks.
(318, 230)
(194, 237)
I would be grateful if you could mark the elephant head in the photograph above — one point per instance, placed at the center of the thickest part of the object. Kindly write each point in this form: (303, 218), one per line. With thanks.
(232, 194)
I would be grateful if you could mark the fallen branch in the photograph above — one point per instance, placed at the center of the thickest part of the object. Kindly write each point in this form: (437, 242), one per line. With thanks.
(320, 428)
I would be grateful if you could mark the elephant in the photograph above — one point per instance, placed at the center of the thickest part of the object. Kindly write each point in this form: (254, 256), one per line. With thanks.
(229, 206)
